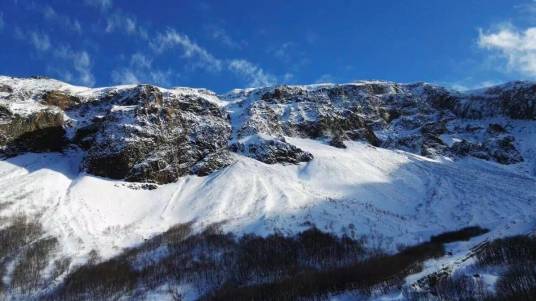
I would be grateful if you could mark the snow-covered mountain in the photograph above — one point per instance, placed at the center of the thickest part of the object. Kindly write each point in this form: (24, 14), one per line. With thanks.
(102, 170)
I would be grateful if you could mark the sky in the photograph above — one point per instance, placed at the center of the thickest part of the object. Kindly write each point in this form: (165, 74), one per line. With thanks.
(222, 45)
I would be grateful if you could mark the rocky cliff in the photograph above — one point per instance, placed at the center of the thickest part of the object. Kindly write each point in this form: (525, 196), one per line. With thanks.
(149, 134)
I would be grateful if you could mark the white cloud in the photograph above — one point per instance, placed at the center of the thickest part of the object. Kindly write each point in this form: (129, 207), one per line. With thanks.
(254, 74)
(49, 12)
(284, 51)
(220, 35)
(122, 23)
(39, 41)
(325, 78)
(51, 15)
(516, 47)
(469, 84)
(77, 61)
(80, 61)
(291, 54)
(200, 57)
(527, 11)
(125, 76)
(141, 61)
(101, 4)
(117, 22)
(287, 77)
(140, 70)
(171, 39)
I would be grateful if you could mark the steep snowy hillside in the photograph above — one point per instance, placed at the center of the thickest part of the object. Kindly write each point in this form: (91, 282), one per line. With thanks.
(392, 196)
(107, 169)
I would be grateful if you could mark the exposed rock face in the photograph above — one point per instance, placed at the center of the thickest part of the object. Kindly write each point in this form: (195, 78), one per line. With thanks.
(38, 132)
(338, 142)
(147, 134)
(137, 133)
(315, 114)
(272, 151)
(516, 100)
(60, 100)
(6, 89)
(415, 117)
(499, 149)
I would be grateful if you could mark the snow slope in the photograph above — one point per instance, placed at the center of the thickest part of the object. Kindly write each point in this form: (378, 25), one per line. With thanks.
(386, 195)
(390, 196)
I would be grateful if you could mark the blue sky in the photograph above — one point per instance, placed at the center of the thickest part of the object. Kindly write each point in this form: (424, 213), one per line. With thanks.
(222, 45)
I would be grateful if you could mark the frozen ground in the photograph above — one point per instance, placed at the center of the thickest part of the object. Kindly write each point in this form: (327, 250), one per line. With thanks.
(392, 197)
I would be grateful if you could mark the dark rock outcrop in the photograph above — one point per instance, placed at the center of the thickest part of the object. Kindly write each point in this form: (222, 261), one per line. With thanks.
(515, 100)
(337, 142)
(5, 88)
(272, 151)
(157, 138)
(412, 117)
(500, 150)
(60, 100)
(334, 113)
(142, 133)
(37, 132)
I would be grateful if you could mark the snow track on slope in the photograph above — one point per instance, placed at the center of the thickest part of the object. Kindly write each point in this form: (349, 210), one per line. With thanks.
(392, 197)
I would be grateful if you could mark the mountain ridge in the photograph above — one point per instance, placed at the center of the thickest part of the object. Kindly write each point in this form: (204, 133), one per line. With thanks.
(254, 122)
(106, 170)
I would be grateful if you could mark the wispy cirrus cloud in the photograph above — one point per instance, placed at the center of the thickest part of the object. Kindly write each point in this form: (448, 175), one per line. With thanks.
(2, 23)
(140, 70)
(468, 84)
(117, 20)
(291, 54)
(219, 34)
(516, 47)
(284, 52)
(527, 11)
(123, 23)
(80, 61)
(325, 78)
(40, 41)
(255, 75)
(51, 15)
(101, 4)
(69, 61)
(172, 39)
